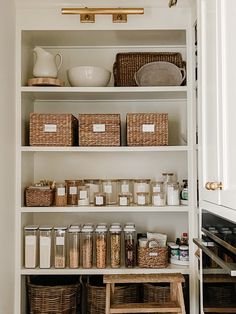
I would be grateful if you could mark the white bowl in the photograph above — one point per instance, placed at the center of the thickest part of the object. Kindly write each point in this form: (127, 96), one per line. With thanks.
(88, 76)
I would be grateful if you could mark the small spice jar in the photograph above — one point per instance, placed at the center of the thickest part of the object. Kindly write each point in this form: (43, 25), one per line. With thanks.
(173, 194)
(101, 246)
(115, 245)
(60, 234)
(99, 199)
(142, 198)
(109, 187)
(94, 187)
(45, 246)
(158, 199)
(183, 253)
(157, 186)
(31, 246)
(174, 251)
(87, 246)
(72, 191)
(83, 195)
(74, 246)
(130, 251)
(60, 195)
(124, 199)
(141, 186)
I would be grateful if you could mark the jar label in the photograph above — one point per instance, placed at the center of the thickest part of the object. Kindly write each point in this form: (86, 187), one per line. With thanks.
(60, 240)
(148, 128)
(153, 254)
(50, 128)
(141, 188)
(45, 241)
(141, 200)
(61, 191)
(73, 190)
(123, 201)
(156, 200)
(83, 195)
(108, 189)
(30, 240)
(99, 128)
(156, 189)
(124, 188)
(99, 200)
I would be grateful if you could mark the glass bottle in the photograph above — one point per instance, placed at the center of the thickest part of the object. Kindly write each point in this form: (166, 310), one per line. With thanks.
(45, 246)
(74, 246)
(130, 251)
(60, 234)
(31, 246)
(173, 194)
(101, 246)
(115, 245)
(87, 246)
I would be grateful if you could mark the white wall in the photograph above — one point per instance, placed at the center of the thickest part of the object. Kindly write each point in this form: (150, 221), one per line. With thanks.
(7, 130)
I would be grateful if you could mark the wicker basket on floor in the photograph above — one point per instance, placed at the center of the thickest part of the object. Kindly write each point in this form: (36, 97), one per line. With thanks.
(39, 197)
(147, 129)
(96, 296)
(52, 296)
(128, 63)
(158, 293)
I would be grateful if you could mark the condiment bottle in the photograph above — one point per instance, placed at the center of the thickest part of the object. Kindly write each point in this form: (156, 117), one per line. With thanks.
(74, 246)
(130, 251)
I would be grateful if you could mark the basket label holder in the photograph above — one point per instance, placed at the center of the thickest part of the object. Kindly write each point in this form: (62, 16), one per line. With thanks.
(148, 128)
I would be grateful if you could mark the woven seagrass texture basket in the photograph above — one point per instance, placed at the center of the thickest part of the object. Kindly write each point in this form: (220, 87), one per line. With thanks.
(99, 130)
(147, 129)
(53, 130)
(54, 299)
(153, 257)
(39, 197)
(158, 293)
(96, 297)
(128, 63)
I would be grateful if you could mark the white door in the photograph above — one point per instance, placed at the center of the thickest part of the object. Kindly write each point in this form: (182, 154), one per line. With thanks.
(210, 98)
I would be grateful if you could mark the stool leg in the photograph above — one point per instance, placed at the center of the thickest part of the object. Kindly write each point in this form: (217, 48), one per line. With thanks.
(181, 298)
(173, 291)
(108, 298)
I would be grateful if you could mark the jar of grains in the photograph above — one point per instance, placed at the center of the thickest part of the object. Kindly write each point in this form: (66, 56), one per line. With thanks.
(141, 186)
(109, 187)
(60, 247)
(101, 246)
(45, 246)
(60, 195)
(72, 191)
(115, 245)
(31, 239)
(74, 246)
(94, 187)
(130, 256)
(87, 246)
(173, 197)
(83, 195)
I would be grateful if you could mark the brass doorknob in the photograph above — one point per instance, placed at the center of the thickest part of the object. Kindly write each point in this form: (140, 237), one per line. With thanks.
(215, 186)
(208, 186)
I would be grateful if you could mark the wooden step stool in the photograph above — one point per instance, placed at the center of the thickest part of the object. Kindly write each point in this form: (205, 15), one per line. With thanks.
(176, 304)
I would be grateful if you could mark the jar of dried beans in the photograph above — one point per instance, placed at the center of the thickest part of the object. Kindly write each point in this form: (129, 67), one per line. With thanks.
(74, 246)
(87, 246)
(72, 191)
(60, 195)
(101, 246)
(115, 245)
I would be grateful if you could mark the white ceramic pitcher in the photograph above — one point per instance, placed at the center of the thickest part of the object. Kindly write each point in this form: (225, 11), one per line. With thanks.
(45, 63)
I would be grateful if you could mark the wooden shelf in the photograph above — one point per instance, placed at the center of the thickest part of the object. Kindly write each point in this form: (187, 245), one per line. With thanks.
(146, 308)
(219, 309)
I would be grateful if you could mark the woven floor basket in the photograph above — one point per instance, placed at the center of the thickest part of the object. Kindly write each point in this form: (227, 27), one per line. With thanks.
(53, 130)
(157, 293)
(39, 197)
(53, 299)
(99, 129)
(138, 133)
(96, 297)
(220, 294)
(127, 64)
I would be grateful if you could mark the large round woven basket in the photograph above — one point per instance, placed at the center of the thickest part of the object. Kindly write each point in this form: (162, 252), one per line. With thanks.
(96, 296)
(53, 294)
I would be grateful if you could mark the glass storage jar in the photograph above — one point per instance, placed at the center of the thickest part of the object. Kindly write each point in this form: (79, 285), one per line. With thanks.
(157, 186)
(141, 186)
(94, 187)
(130, 251)
(87, 246)
(83, 195)
(60, 234)
(158, 199)
(124, 199)
(31, 246)
(125, 186)
(72, 191)
(109, 187)
(173, 196)
(45, 246)
(60, 195)
(142, 199)
(99, 199)
(74, 246)
(168, 178)
(101, 246)
(115, 245)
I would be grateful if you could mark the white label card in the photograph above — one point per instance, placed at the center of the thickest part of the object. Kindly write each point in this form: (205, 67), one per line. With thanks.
(99, 200)
(108, 189)
(50, 127)
(73, 190)
(148, 128)
(61, 191)
(124, 188)
(123, 201)
(60, 240)
(99, 127)
(83, 195)
(141, 200)
(153, 254)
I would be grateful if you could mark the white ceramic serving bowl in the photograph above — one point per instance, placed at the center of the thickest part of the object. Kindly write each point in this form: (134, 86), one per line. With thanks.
(88, 76)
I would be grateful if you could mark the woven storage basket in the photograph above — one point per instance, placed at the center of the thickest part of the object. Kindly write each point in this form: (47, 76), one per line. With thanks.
(52, 295)
(96, 296)
(147, 129)
(53, 130)
(219, 294)
(99, 129)
(39, 197)
(128, 63)
(154, 257)
(158, 293)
